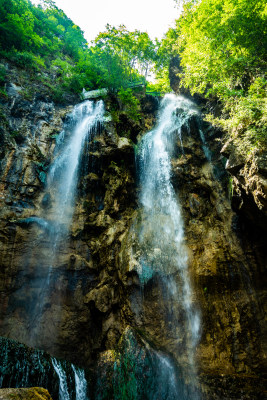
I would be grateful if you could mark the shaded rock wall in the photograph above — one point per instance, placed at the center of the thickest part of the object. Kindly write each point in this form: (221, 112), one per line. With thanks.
(83, 312)
(226, 264)
(225, 223)
(249, 183)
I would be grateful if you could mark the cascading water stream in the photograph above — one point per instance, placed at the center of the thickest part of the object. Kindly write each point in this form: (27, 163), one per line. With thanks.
(63, 385)
(83, 123)
(62, 177)
(80, 383)
(161, 233)
(85, 119)
(23, 367)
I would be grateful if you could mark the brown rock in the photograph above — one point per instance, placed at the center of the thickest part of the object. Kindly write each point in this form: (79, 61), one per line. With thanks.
(25, 394)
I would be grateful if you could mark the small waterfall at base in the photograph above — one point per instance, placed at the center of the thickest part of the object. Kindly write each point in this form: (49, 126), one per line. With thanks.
(63, 386)
(163, 252)
(80, 383)
(82, 125)
(24, 367)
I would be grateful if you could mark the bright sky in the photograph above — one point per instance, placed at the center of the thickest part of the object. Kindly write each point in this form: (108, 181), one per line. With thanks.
(151, 16)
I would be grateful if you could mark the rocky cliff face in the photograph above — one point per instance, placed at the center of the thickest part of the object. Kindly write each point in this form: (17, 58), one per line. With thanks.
(224, 205)
(247, 171)
(227, 263)
(95, 296)
(85, 306)
(249, 184)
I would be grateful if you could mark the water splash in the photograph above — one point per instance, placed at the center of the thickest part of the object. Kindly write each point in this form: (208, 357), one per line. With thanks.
(24, 367)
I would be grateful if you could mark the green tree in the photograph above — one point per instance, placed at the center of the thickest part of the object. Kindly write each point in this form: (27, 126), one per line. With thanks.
(135, 49)
(222, 45)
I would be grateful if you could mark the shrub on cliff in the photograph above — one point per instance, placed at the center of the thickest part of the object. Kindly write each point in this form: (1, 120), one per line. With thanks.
(223, 50)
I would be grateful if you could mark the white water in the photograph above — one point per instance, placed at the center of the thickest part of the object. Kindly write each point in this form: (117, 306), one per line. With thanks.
(161, 235)
(63, 386)
(80, 383)
(62, 178)
(83, 124)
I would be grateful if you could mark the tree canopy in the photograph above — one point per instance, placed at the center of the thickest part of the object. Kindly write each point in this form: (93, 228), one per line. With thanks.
(43, 37)
(135, 49)
(223, 47)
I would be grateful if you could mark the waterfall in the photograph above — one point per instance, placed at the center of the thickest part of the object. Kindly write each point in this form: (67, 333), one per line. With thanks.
(23, 367)
(80, 383)
(62, 178)
(163, 251)
(63, 386)
(81, 126)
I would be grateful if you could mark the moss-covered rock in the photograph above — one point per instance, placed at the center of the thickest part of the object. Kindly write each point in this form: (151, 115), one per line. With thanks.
(135, 370)
(25, 394)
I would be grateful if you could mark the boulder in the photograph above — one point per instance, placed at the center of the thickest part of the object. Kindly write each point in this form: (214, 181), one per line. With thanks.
(25, 394)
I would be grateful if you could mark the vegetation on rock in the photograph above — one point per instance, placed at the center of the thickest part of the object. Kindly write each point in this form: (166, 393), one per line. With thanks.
(222, 49)
(45, 42)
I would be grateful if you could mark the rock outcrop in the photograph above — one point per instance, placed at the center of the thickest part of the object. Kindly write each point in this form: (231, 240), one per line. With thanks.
(25, 394)
(248, 170)
(226, 267)
(223, 195)
(249, 183)
(85, 305)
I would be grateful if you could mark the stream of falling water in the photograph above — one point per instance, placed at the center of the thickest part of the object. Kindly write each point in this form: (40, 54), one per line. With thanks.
(161, 233)
(83, 123)
(85, 119)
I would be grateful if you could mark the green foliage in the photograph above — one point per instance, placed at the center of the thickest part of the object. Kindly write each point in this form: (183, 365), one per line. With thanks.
(130, 103)
(2, 74)
(135, 50)
(107, 69)
(230, 187)
(43, 39)
(25, 59)
(161, 84)
(223, 45)
(166, 49)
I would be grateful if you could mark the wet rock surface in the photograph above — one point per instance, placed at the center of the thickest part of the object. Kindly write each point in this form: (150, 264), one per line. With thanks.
(136, 369)
(84, 306)
(248, 172)
(227, 259)
(249, 184)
